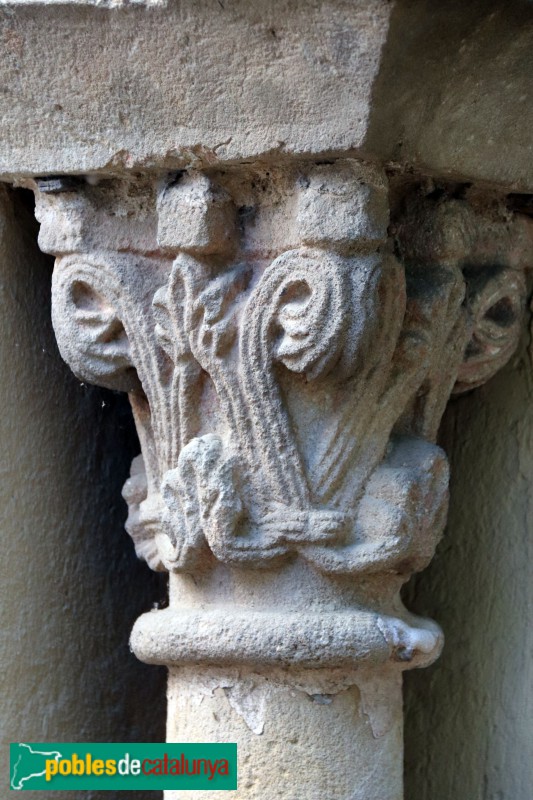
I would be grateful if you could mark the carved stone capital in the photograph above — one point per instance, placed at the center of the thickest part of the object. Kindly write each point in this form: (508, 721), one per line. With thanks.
(288, 358)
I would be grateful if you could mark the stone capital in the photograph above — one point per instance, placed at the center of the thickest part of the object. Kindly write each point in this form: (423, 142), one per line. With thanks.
(288, 352)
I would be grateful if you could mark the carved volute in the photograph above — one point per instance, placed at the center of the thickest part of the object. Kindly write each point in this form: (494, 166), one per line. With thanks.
(288, 359)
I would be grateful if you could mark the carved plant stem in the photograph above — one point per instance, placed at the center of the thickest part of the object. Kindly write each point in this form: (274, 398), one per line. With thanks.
(287, 377)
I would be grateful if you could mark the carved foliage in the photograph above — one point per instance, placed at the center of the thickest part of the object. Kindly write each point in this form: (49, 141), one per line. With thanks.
(226, 357)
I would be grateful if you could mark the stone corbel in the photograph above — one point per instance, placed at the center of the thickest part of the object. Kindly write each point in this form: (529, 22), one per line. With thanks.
(288, 360)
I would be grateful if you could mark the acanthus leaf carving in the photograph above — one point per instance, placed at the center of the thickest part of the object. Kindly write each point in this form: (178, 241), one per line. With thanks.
(288, 397)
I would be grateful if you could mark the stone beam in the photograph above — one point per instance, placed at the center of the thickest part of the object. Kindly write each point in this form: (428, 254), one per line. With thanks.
(444, 88)
(288, 355)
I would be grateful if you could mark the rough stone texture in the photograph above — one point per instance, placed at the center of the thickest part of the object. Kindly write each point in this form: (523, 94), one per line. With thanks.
(288, 365)
(190, 83)
(304, 736)
(468, 721)
(70, 585)
(454, 93)
(442, 87)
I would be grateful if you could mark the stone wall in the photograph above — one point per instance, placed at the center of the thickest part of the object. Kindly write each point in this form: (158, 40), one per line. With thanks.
(468, 718)
(71, 585)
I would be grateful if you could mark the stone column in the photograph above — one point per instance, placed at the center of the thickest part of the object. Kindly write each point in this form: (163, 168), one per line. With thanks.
(288, 357)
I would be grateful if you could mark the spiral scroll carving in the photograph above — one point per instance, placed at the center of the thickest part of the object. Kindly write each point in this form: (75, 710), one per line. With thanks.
(497, 306)
(286, 399)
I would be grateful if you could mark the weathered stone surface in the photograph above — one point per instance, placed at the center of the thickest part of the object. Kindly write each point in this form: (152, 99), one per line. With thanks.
(214, 180)
(288, 366)
(312, 736)
(444, 88)
(191, 83)
(70, 586)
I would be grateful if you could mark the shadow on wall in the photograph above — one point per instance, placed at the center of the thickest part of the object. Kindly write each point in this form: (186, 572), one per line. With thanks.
(468, 717)
(71, 584)
(454, 90)
(453, 97)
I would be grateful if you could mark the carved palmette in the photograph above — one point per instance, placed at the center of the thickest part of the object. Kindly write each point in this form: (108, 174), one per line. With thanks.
(287, 399)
